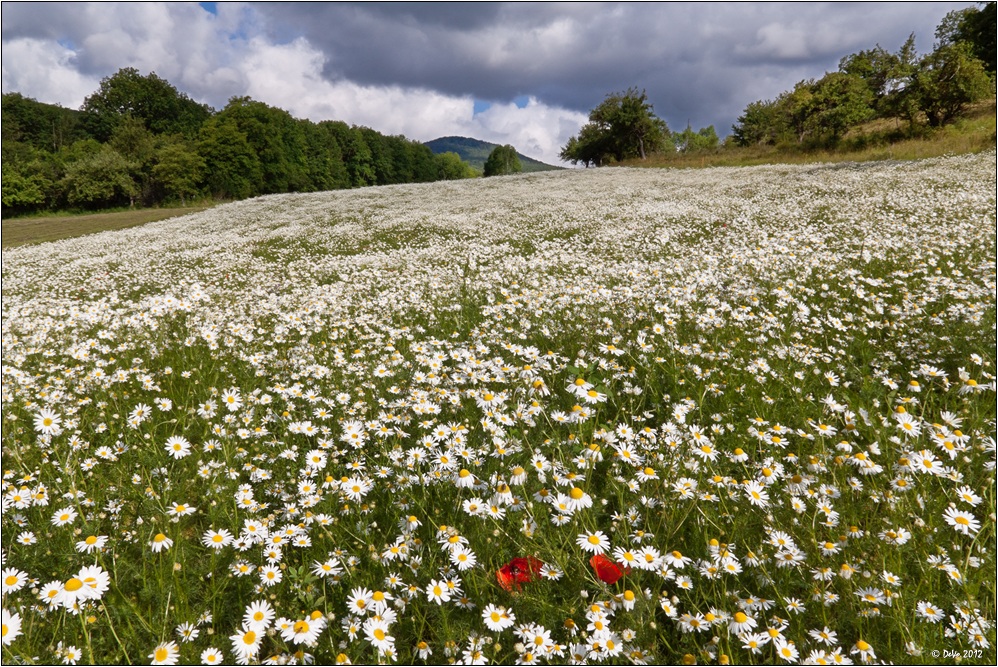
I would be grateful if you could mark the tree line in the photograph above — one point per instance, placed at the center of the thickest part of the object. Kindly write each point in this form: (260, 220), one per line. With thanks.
(138, 140)
(929, 90)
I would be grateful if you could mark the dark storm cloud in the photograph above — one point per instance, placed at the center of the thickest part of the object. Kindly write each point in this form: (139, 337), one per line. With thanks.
(704, 62)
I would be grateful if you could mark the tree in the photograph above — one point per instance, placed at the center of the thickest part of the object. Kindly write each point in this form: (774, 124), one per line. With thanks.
(31, 177)
(976, 28)
(101, 179)
(761, 123)
(451, 167)
(324, 158)
(503, 161)
(356, 153)
(947, 80)
(278, 141)
(231, 164)
(885, 74)
(44, 126)
(688, 141)
(839, 101)
(979, 31)
(796, 107)
(162, 108)
(22, 191)
(622, 126)
(179, 169)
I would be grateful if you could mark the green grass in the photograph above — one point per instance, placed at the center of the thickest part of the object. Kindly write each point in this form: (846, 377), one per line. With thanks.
(38, 229)
(878, 140)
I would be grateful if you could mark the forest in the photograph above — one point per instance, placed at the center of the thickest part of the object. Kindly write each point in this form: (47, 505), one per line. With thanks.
(137, 140)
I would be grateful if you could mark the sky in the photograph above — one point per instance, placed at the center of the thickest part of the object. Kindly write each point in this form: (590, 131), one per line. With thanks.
(526, 74)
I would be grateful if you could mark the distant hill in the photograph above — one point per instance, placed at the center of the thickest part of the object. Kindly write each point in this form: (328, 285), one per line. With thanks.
(475, 152)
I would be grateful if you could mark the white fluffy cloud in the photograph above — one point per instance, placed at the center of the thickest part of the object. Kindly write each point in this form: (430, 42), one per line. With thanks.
(290, 76)
(44, 70)
(213, 57)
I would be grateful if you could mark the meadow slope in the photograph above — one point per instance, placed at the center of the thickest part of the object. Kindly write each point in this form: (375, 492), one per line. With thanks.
(726, 414)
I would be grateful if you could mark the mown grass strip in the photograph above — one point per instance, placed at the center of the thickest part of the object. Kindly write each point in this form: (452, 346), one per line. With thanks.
(23, 231)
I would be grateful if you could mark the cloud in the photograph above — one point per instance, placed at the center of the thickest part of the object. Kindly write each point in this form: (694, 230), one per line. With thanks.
(44, 70)
(293, 72)
(419, 68)
(572, 55)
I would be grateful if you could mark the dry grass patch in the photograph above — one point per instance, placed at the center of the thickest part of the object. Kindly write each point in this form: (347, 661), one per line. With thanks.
(23, 231)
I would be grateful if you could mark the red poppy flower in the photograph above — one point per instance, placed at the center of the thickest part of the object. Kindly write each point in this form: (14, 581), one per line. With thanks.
(518, 571)
(607, 571)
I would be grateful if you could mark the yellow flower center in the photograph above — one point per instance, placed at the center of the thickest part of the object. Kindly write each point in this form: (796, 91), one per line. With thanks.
(576, 493)
(161, 654)
(73, 584)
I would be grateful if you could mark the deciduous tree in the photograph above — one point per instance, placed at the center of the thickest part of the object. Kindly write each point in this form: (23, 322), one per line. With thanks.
(503, 161)
(622, 126)
(947, 80)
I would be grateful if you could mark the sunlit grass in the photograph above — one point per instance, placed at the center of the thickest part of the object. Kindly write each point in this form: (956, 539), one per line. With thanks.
(882, 139)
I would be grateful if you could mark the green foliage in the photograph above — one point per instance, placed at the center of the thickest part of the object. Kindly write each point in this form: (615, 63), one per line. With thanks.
(133, 141)
(839, 101)
(324, 158)
(179, 170)
(503, 161)
(277, 140)
(947, 81)
(104, 178)
(885, 74)
(22, 191)
(30, 178)
(424, 163)
(171, 147)
(450, 167)
(153, 100)
(974, 27)
(623, 126)
(42, 126)
(688, 141)
(232, 165)
(760, 124)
